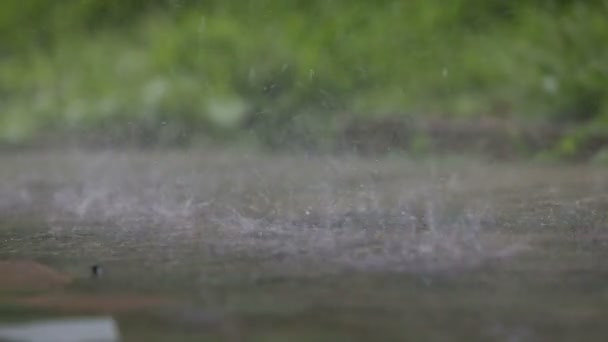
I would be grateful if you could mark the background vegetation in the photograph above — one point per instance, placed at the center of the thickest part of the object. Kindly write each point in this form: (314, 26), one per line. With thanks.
(510, 77)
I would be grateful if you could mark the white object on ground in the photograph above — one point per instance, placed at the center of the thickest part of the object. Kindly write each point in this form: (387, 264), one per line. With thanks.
(100, 329)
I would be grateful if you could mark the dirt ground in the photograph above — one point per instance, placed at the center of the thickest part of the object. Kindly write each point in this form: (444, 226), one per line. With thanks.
(26, 275)
(282, 248)
(41, 287)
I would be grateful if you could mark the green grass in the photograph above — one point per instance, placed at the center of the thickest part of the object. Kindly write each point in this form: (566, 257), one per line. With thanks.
(169, 73)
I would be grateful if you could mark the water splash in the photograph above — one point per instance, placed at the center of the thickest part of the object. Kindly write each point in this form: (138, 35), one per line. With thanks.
(332, 214)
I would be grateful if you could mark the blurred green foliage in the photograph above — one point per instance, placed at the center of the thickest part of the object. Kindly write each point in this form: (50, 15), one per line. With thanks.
(168, 71)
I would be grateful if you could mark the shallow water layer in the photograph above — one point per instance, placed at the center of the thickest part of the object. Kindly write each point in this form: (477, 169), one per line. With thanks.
(321, 248)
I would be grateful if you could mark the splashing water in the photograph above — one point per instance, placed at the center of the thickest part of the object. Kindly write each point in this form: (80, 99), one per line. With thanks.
(342, 214)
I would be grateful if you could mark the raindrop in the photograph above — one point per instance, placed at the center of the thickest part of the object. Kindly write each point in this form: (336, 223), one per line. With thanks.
(202, 24)
(550, 84)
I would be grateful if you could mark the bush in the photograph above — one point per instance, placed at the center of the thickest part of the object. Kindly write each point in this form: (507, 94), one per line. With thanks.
(166, 71)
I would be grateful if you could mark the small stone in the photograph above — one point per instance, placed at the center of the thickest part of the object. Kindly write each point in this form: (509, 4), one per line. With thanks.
(96, 271)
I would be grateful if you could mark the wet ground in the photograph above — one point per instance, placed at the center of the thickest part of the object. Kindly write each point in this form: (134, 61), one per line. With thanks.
(275, 248)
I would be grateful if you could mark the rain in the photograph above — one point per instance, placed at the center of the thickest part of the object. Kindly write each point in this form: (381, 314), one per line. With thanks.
(303, 171)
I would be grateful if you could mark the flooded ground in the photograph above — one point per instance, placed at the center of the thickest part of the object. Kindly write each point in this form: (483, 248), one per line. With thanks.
(301, 248)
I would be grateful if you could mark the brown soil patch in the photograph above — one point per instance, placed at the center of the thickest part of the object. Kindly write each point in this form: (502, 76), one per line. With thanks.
(25, 275)
(28, 275)
(93, 303)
